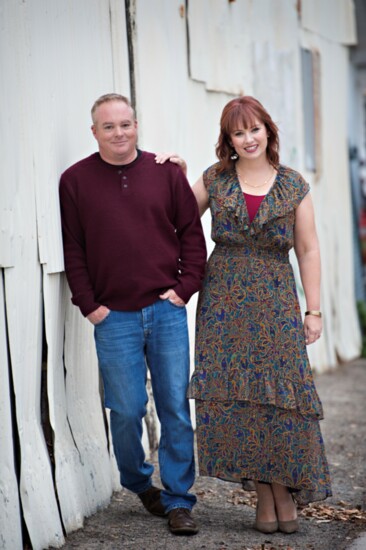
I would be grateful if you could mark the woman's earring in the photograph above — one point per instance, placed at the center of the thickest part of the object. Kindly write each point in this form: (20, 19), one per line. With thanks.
(234, 155)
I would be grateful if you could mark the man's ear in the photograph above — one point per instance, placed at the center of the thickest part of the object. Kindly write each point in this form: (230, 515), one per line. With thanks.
(92, 127)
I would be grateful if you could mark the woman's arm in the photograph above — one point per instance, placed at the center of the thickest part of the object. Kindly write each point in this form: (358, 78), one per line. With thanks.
(308, 256)
(200, 192)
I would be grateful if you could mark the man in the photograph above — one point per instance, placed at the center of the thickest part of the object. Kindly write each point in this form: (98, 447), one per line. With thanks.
(134, 255)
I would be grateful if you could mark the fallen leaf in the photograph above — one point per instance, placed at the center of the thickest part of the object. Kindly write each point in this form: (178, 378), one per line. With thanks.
(326, 513)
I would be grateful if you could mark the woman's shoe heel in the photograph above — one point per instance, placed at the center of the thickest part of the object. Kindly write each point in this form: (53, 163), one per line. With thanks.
(266, 526)
(288, 526)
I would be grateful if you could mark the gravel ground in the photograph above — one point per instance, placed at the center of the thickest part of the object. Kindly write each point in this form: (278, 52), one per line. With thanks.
(225, 513)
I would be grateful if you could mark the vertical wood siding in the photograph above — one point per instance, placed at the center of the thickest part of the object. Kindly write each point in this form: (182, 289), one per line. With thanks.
(10, 517)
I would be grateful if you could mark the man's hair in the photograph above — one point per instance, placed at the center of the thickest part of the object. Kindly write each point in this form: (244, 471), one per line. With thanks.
(105, 99)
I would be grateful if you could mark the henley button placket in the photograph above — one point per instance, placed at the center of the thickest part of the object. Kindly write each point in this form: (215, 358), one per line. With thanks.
(124, 184)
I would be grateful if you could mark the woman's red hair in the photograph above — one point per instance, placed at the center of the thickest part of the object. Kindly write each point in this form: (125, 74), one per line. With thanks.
(244, 112)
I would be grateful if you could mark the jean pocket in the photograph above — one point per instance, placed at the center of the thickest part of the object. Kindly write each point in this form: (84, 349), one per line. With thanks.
(176, 305)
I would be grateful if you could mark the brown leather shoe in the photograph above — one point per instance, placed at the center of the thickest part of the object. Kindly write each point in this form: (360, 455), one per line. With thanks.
(181, 522)
(151, 500)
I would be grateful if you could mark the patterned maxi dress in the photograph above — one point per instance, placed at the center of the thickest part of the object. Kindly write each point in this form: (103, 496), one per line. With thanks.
(257, 408)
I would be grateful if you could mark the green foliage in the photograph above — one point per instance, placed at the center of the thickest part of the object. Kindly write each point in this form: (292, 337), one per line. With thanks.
(361, 308)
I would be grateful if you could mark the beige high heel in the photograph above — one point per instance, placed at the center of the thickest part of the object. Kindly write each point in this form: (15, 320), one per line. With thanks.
(266, 527)
(288, 527)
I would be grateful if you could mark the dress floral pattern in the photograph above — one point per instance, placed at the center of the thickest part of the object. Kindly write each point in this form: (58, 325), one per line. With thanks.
(257, 407)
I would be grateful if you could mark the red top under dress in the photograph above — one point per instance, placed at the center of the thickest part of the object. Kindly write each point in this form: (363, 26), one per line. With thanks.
(253, 202)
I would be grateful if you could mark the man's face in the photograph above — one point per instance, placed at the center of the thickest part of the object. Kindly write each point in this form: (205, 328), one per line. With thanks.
(115, 130)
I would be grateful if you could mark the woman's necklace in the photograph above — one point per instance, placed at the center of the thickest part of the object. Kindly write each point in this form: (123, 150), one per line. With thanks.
(255, 186)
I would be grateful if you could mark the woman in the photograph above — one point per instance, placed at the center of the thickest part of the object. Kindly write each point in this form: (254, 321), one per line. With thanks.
(257, 409)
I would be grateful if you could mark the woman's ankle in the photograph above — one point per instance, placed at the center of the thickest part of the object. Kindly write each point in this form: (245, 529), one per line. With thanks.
(284, 503)
(266, 509)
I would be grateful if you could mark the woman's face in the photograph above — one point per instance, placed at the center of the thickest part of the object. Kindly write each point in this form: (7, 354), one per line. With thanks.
(250, 143)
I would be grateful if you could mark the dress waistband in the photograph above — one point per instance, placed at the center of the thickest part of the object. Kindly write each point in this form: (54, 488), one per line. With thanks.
(252, 252)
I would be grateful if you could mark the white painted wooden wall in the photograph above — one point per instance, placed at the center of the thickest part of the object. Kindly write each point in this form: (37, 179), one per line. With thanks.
(56, 59)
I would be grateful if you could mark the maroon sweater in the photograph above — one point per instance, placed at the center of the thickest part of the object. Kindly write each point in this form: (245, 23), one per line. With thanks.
(130, 232)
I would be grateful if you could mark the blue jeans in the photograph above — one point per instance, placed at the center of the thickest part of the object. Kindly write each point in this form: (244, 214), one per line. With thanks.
(129, 342)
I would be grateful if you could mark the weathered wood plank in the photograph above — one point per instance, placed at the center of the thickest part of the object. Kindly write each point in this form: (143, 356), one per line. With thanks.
(84, 408)
(23, 294)
(24, 311)
(70, 482)
(10, 524)
(121, 68)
